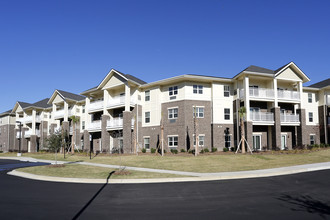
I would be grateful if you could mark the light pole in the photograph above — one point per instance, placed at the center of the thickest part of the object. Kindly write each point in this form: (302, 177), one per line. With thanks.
(20, 138)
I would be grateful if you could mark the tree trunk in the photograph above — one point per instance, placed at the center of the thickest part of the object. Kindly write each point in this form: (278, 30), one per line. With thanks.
(243, 136)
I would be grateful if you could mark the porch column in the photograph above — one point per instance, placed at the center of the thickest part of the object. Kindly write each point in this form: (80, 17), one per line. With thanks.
(127, 131)
(33, 122)
(275, 92)
(66, 111)
(247, 97)
(300, 95)
(302, 138)
(105, 102)
(105, 134)
(53, 113)
(127, 97)
(87, 141)
(276, 129)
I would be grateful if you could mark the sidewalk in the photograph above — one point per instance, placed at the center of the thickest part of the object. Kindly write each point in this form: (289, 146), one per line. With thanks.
(191, 176)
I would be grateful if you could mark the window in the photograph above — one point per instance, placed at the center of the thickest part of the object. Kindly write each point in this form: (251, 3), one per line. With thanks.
(201, 139)
(256, 139)
(310, 98)
(226, 91)
(172, 113)
(83, 125)
(146, 143)
(227, 141)
(147, 117)
(310, 116)
(312, 139)
(173, 90)
(254, 90)
(227, 113)
(147, 95)
(198, 112)
(197, 89)
(173, 141)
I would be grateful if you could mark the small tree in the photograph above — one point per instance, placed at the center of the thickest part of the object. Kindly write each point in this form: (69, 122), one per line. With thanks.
(54, 142)
(74, 121)
(241, 112)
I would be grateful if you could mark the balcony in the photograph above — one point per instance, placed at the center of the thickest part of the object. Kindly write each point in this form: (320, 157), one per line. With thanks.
(288, 95)
(116, 123)
(29, 119)
(119, 101)
(96, 106)
(59, 114)
(289, 118)
(262, 117)
(259, 93)
(28, 133)
(94, 126)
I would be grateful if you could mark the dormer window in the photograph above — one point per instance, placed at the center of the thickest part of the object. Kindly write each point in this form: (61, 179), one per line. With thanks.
(197, 89)
(173, 90)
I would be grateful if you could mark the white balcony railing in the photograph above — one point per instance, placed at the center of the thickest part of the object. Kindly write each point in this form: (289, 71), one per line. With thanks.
(261, 93)
(119, 101)
(59, 113)
(96, 105)
(289, 95)
(29, 119)
(95, 125)
(289, 118)
(262, 116)
(28, 133)
(117, 123)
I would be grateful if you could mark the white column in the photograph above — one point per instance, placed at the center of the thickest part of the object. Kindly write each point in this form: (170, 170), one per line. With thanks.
(105, 101)
(53, 113)
(247, 97)
(300, 95)
(127, 97)
(275, 92)
(33, 122)
(66, 111)
(24, 116)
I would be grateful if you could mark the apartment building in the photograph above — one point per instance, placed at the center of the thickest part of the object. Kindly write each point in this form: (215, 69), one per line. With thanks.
(124, 113)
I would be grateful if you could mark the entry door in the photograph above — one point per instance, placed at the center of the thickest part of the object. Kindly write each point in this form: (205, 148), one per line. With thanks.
(283, 142)
(256, 142)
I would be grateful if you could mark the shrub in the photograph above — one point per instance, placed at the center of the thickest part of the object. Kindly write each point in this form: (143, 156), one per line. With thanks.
(206, 150)
(225, 149)
(192, 151)
(214, 149)
(183, 150)
(153, 150)
(174, 151)
(202, 151)
(143, 150)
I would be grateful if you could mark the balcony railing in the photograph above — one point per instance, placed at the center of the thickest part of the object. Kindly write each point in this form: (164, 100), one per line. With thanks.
(289, 118)
(119, 101)
(289, 95)
(28, 119)
(59, 113)
(28, 133)
(262, 116)
(117, 123)
(96, 105)
(95, 125)
(261, 93)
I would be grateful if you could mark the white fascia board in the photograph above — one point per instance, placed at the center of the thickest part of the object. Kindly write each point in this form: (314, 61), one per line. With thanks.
(108, 75)
(301, 72)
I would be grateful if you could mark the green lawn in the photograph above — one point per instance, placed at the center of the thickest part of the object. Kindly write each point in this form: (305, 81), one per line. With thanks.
(202, 163)
(91, 172)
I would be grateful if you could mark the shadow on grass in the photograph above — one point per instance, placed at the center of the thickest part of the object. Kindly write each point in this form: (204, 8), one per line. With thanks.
(308, 204)
(92, 199)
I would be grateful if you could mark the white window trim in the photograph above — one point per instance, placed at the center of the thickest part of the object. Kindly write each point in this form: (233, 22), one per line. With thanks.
(200, 135)
(146, 117)
(260, 135)
(144, 137)
(168, 113)
(224, 114)
(168, 136)
(197, 112)
(198, 89)
(177, 90)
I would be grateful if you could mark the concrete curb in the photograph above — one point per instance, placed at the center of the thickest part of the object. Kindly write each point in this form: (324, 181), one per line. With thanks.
(195, 178)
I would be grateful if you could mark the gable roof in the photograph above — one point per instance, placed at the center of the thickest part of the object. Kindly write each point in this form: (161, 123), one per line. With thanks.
(42, 103)
(125, 77)
(66, 96)
(321, 84)
(258, 69)
(24, 104)
(9, 112)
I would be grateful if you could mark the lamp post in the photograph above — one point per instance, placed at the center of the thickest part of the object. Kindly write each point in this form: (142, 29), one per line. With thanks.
(20, 138)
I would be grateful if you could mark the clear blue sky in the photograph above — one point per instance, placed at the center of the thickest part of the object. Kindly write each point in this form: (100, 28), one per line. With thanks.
(71, 45)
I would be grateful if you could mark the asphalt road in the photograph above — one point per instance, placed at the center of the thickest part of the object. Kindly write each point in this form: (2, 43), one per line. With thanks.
(299, 196)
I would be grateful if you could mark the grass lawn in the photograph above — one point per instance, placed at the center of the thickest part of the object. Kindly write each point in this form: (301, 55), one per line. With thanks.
(84, 171)
(223, 162)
